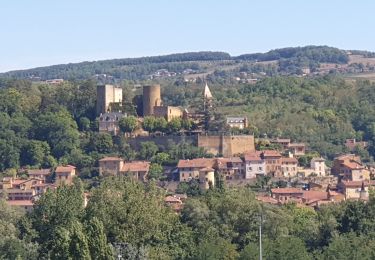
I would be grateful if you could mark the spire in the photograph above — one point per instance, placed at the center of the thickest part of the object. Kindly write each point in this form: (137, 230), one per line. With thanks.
(207, 93)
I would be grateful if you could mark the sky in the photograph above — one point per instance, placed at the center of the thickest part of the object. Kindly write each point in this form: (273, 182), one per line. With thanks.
(44, 32)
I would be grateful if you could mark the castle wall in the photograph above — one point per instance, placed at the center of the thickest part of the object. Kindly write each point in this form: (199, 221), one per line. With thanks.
(227, 145)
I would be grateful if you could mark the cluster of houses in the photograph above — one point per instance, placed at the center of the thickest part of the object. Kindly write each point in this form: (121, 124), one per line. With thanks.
(23, 192)
(348, 178)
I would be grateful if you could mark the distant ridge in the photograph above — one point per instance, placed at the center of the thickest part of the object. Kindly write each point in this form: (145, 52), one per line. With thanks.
(139, 68)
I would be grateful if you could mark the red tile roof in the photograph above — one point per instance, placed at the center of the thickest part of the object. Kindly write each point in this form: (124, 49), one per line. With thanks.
(67, 168)
(196, 163)
(356, 184)
(286, 191)
(39, 171)
(254, 156)
(20, 202)
(136, 166)
(353, 165)
(271, 153)
(171, 199)
(289, 160)
(310, 195)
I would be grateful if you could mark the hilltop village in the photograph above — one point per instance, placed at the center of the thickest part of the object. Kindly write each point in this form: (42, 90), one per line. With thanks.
(276, 168)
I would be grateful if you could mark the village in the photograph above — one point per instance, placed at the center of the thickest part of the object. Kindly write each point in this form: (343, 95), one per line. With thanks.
(234, 160)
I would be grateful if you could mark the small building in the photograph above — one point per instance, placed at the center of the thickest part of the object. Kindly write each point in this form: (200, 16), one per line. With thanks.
(189, 169)
(272, 160)
(39, 173)
(284, 195)
(174, 202)
(230, 168)
(168, 112)
(289, 167)
(254, 165)
(65, 174)
(137, 170)
(355, 189)
(297, 149)
(19, 194)
(283, 142)
(110, 165)
(237, 122)
(109, 122)
(318, 166)
(24, 204)
(348, 167)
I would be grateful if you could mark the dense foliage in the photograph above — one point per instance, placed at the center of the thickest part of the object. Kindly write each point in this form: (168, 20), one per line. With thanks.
(128, 218)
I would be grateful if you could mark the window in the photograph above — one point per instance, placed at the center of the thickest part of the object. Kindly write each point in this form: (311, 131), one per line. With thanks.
(260, 168)
(251, 168)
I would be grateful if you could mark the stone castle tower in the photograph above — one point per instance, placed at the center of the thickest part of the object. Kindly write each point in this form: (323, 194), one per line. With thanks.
(107, 95)
(151, 98)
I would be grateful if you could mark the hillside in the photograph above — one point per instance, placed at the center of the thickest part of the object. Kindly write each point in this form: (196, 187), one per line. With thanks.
(285, 61)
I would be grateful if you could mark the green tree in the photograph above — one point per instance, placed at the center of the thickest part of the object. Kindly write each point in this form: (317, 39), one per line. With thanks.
(35, 153)
(148, 150)
(128, 124)
(175, 125)
(155, 172)
(97, 240)
(149, 123)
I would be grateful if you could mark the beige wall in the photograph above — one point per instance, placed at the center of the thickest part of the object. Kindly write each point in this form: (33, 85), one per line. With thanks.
(168, 112)
(227, 145)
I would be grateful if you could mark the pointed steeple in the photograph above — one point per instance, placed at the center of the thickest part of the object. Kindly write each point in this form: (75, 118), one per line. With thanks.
(207, 93)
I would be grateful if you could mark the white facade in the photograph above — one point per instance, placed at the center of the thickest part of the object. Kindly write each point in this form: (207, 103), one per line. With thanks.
(318, 165)
(254, 168)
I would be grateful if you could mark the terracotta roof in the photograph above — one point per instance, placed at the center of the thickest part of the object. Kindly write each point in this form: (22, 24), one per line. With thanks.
(171, 199)
(67, 168)
(282, 140)
(39, 171)
(353, 165)
(286, 190)
(110, 159)
(196, 163)
(253, 156)
(20, 202)
(271, 153)
(310, 195)
(289, 160)
(356, 184)
(136, 166)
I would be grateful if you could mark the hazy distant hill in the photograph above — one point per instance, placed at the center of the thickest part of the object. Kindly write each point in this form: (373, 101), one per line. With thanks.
(279, 61)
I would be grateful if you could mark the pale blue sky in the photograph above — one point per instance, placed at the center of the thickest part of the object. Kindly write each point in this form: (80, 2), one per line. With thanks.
(45, 32)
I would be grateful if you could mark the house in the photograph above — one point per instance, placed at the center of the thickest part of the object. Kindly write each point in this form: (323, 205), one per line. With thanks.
(42, 188)
(318, 166)
(65, 174)
(137, 170)
(19, 194)
(254, 165)
(289, 167)
(237, 122)
(39, 173)
(284, 195)
(355, 189)
(272, 159)
(297, 149)
(110, 165)
(283, 142)
(349, 167)
(109, 122)
(24, 204)
(189, 169)
(230, 168)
